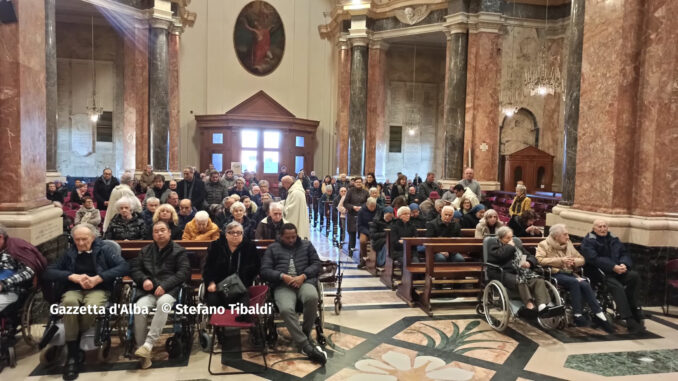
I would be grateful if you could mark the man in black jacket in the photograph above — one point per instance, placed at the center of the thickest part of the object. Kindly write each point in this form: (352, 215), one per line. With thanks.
(378, 234)
(191, 188)
(103, 187)
(605, 251)
(159, 270)
(445, 226)
(354, 201)
(87, 270)
(292, 266)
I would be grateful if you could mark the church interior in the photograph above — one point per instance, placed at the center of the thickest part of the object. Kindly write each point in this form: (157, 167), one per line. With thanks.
(555, 119)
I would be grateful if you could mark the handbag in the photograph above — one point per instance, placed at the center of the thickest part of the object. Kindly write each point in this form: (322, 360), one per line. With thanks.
(232, 287)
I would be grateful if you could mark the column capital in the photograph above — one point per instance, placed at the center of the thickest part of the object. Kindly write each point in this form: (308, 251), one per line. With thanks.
(456, 23)
(379, 44)
(343, 43)
(160, 23)
(359, 41)
(176, 28)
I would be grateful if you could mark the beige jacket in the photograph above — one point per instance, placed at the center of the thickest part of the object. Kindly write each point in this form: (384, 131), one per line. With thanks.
(550, 253)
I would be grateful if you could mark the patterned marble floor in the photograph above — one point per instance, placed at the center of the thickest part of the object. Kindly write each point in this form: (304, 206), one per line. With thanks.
(378, 337)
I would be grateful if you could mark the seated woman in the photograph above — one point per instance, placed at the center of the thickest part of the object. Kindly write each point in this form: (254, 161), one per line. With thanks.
(228, 255)
(159, 189)
(79, 193)
(126, 224)
(238, 215)
(517, 265)
(489, 224)
(400, 228)
(201, 228)
(565, 261)
(250, 207)
(523, 225)
(521, 202)
(167, 213)
(470, 220)
(88, 214)
(465, 206)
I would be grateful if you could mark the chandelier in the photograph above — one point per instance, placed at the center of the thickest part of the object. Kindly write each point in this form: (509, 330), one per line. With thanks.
(93, 111)
(542, 79)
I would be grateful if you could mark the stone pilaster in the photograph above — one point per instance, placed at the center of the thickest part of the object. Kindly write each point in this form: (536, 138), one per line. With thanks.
(51, 92)
(158, 94)
(376, 101)
(454, 104)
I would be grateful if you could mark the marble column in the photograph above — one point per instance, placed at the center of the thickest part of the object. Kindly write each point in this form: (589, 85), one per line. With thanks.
(51, 89)
(24, 210)
(343, 99)
(454, 103)
(135, 99)
(158, 81)
(481, 132)
(376, 101)
(174, 143)
(357, 107)
(575, 43)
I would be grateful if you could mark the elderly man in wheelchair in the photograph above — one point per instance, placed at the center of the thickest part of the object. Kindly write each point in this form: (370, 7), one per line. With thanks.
(557, 254)
(292, 266)
(516, 270)
(87, 272)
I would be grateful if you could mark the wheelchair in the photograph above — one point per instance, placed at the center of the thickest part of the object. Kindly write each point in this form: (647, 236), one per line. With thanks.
(500, 306)
(603, 294)
(178, 345)
(10, 322)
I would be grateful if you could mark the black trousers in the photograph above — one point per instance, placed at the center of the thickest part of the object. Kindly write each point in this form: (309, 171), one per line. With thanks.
(624, 289)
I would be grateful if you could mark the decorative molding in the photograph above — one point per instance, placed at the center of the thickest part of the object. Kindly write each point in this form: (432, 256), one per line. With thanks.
(160, 23)
(176, 28)
(640, 230)
(359, 41)
(412, 15)
(343, 43)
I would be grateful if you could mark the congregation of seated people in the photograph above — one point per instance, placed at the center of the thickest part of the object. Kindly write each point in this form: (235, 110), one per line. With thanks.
(233, 211)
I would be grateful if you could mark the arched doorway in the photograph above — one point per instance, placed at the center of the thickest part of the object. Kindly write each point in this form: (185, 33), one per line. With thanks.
(516, 132)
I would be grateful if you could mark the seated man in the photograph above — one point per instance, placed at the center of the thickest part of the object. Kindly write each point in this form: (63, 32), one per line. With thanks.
(463, 193)
(365, 216)
(159, 271)
(269, 227)
(88, 270)
(416, 219)
(557, 252)
(186, 212)
(292, 266)
(201, 228)
(378, 234)
(605, 251)
(14, 274)
(445, 226)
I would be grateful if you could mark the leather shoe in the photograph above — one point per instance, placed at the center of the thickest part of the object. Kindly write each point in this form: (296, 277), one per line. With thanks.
(549, 312)
(71, 369)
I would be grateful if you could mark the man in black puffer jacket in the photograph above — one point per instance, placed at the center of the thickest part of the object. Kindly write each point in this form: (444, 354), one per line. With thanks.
(378, 234)
(292, 267)
(159, 271)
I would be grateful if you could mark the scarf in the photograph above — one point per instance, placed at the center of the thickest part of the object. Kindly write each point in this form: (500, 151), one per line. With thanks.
(517, 205)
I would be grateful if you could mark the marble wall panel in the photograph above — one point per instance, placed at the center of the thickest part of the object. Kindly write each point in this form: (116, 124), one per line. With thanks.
(75, 41)
(344, 88)
(174, 45)
(376, 104)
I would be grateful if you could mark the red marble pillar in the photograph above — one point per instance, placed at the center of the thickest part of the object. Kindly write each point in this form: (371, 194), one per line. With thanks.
(129, 126)
(481, 134)
(343, 100)
(376, 101)
(23, 207)
(141, 94)
(608, 115)
(174, 40)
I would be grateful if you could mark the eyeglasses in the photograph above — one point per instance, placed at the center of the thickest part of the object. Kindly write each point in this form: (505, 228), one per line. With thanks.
(234, 233)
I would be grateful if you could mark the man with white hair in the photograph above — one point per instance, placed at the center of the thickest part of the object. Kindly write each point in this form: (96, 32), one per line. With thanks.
(445, 226)
(120, 191)
(255, 195)
(605, 251)
(269, 227)
(201, 228)
(295, 209)
(87, 270)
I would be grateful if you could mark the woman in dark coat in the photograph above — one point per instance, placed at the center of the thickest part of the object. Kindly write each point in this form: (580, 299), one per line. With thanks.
(401, 227)
(522, 225)
(238, 215)
(470, 220)
(399, 188)
(126, 225)
(229, 254)
(167, 213)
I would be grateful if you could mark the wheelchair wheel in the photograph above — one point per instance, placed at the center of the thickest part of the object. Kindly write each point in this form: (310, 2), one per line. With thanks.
(556, 321)
(104, 350)
(52, 354)
(496, 305)
(479, 309)
(11, 356)
(34, 318)
(174, 346)
(337, 306)
(122, 321)
(205, 340)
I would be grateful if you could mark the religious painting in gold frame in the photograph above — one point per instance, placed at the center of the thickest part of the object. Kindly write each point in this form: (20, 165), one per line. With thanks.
(259, 38)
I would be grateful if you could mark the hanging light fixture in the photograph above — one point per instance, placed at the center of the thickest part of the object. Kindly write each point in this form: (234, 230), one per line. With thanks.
(93, 111)
(542, 79)
(412, 117)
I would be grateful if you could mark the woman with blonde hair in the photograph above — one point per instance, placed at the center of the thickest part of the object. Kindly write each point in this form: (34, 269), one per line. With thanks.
(167, 213)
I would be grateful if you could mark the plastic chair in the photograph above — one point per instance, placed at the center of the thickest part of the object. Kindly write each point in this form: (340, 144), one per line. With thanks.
(227, 320)
(671, 283)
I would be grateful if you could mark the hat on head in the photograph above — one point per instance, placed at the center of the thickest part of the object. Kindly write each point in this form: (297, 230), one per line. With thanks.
(414, 206)
(388, 209)
(457, 214)
(434, 195)
(477, 208)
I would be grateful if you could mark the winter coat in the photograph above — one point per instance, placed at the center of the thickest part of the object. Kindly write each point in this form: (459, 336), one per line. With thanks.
(191, 232)
(519, 230)
(108, 263)
(76, 198)
(267, 229)
(119, 192)
(398, 190)
(551, 253)
(90, 216)
(276, 261)
(365, 216)
(427, 209)
(518, 206)
(502, 255)
(220, 262)
(399, 229)
(295, 210)
(468, 194)
(377, 233)
(354, 197)
(102, 192)
(193, 190)
(121, 229)
(474, 186)
(215, 193)
(168, 268)
(183, 220)
(469, 221)
(605, 252)
(248, 226)
(483, 230)
(437, 228)
(161, 193)
(146, 179)
(425, 189)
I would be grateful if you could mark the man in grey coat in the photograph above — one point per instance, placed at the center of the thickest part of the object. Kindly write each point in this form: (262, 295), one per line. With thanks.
(292, 267)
